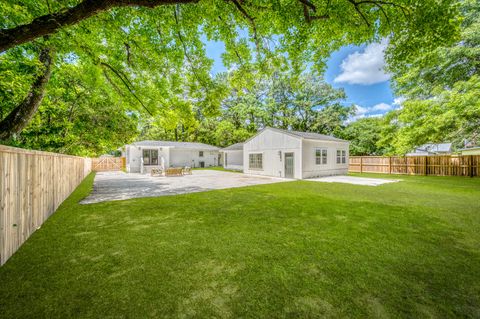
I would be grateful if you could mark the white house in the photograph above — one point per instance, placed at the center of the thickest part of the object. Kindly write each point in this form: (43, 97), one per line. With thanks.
(291, 154)
(142, 156)
(233, 157)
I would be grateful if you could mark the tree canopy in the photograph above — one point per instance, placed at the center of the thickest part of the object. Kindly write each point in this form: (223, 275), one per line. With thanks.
(148, 57)
(442, 91)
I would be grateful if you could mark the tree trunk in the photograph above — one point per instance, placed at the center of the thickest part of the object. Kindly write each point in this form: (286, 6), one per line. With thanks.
(21, 115)
(51, 23)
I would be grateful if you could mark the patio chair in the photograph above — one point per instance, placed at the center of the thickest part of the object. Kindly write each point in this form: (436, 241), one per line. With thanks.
(156, 172)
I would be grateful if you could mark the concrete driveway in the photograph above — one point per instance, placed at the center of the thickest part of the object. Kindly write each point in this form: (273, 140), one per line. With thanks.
(118, 185)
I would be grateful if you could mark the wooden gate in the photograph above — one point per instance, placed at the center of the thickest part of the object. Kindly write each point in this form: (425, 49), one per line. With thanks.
(102, 164)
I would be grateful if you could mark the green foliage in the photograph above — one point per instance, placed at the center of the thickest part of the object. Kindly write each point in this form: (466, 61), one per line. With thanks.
(153, 61)
(451, 115)
(304, 102)
(79, 115)
(442, 91)
(364, 136)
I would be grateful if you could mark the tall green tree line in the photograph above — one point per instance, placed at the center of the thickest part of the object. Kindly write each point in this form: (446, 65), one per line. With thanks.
(148, 56)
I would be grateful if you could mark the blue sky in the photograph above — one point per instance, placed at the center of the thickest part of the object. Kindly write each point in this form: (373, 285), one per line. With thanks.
(356, 69)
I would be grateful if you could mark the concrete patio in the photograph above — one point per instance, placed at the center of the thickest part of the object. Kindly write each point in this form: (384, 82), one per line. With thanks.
(110, 186)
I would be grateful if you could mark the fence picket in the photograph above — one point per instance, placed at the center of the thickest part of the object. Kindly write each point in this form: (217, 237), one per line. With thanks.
(439, 165)
(32, 186)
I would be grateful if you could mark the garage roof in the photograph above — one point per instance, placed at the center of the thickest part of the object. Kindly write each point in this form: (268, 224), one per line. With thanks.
(234, 147)
(309, 135)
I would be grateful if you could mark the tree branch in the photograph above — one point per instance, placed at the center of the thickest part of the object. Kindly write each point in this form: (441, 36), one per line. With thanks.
(185, 51)
(251, 20)
(307, 5)
(51, 23)
(127, 83)
(356, 5)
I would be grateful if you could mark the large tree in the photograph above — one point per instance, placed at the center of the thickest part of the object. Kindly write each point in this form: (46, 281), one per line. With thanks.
(151, 51)
(364, 135)
(442, 91)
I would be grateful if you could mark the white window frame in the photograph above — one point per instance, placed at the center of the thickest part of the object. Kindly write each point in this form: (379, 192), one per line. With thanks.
(150, 161)
(200, 153)
(341, 157)
(323, 156)
(250, 162)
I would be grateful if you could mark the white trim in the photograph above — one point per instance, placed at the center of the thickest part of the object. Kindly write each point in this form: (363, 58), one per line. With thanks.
(256, 169)
(321, 156)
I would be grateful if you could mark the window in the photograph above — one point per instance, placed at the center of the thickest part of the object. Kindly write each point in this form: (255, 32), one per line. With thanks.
(150, 157)
(200, 154)
(321, 156)
(255, 161)
(341, 156)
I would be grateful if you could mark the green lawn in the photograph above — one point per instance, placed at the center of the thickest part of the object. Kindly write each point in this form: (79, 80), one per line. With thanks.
(298, 249)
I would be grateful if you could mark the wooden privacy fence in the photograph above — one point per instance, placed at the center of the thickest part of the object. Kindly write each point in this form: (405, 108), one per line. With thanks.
(108, 164)
(441, 165)
(32, 186)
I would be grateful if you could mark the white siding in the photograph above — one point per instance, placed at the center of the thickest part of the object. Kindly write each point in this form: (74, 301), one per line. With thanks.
(311, 169)
(172, 158)
(185, 157)
(270, 143)
(135, 153)
(233, 159)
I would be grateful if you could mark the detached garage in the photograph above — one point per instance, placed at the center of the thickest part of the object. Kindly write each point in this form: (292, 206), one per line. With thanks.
(292, 154)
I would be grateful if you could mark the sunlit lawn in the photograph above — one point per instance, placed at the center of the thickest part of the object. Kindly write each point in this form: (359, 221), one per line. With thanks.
(297, 249)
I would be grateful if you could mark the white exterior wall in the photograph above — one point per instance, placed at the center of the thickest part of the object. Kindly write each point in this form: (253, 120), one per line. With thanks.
(311, 169)
(233, 159)
(269, 143)
(185, 157)
(134, 154)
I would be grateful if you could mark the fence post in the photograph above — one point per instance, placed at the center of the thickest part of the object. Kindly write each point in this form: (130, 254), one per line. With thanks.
(425, 166)
(470, 166)
(390, 165)
(361, 164)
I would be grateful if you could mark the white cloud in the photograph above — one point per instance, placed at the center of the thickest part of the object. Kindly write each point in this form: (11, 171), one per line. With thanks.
(382, 107)
(362, 112)
(365, 67)
(398, 101)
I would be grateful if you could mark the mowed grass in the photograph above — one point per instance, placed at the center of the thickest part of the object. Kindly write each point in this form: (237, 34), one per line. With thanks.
(288, 250)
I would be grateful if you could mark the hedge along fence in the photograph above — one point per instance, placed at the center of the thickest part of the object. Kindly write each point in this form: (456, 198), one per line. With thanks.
(440, 165)
(32, 186)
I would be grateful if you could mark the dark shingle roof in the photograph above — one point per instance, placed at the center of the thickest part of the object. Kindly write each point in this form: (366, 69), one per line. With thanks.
(310, 135)
(234, 147)
(188, 145)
